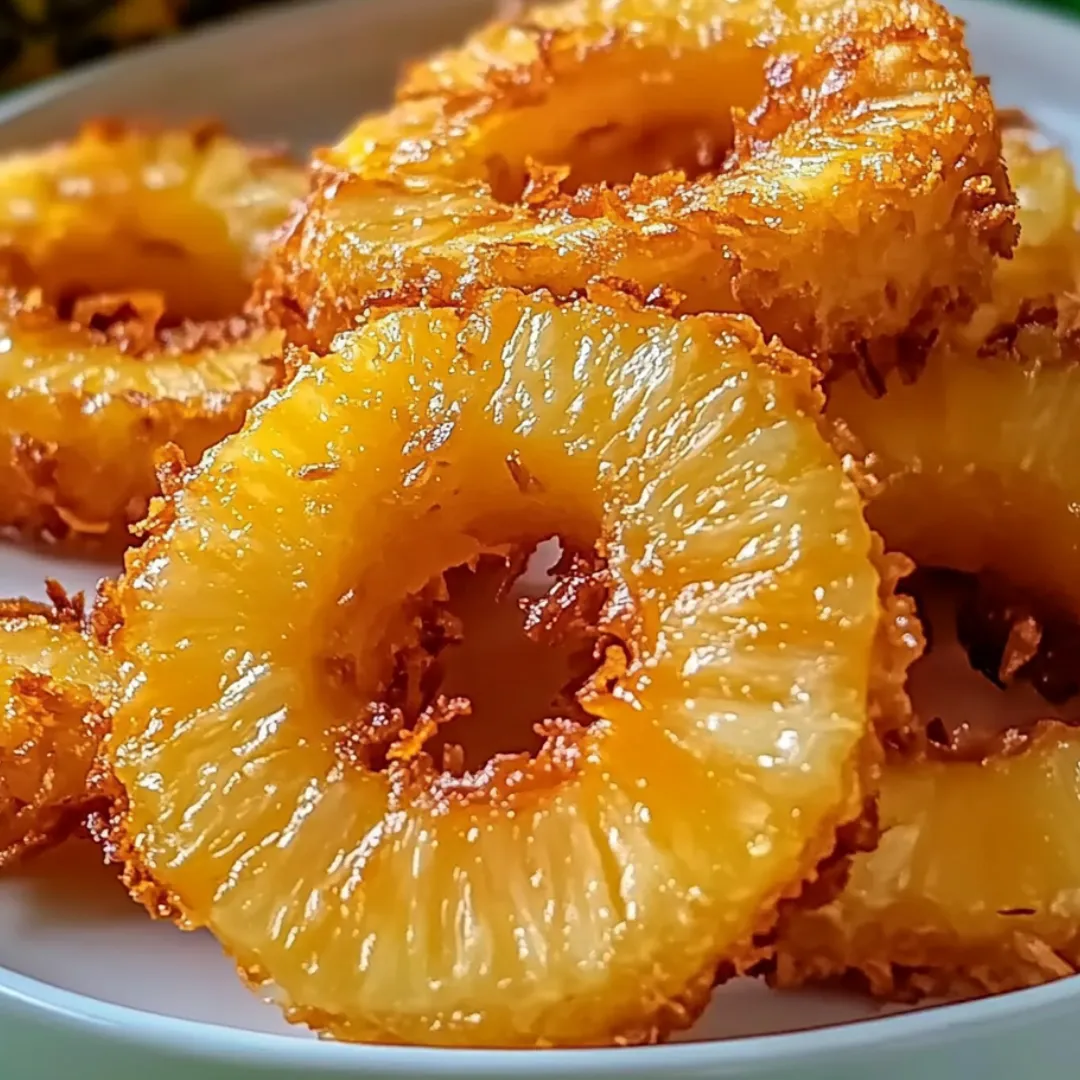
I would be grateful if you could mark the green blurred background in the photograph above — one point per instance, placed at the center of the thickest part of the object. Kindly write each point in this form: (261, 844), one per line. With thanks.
(38, 37)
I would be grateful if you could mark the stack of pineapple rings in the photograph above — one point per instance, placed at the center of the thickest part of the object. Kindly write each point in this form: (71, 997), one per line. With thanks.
(126, 259)
(569, 311)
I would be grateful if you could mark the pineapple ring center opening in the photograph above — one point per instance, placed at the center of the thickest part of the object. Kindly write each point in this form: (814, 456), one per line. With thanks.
(618, 153)
(145, 257)
(142, 302)
(140, 313)
(621, 114)
(503, 648)
(996, 664)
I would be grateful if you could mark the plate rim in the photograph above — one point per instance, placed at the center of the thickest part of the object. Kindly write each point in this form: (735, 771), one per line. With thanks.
(199, 1040)
(195, 1040)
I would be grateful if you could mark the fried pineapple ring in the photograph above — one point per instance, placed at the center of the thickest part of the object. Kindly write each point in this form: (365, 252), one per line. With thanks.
(974, 448)
(830, 168)
(973, 887)
(129, 257)
(53, 681)
(187, 213)
(296, 811)
(1046, 263)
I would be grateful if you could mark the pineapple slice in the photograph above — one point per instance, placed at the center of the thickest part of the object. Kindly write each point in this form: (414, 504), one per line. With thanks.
(1046, 262)
(977, 463)
(839, 183)
(119, 248)
(272, 789)
(975, 452)
(83, 417)
(54, 681)
(187, 213)
(973, 886)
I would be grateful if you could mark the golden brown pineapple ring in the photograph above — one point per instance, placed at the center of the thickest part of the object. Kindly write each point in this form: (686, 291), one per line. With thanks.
(975, 448)
(831, 168)
(974, 887)
(1046, 262)
(588, 894)
(54, 683)
(130, 256)
(185, 212)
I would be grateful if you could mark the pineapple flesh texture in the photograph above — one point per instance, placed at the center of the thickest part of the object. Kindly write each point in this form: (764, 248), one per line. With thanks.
(129, 257)
(53, 682)
(187, 213)
(972, 888)
(581, 897)
(667, 144)
(975, 451)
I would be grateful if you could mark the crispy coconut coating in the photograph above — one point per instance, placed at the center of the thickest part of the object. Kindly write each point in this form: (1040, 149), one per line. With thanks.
(54, 683)
(974, 449)
(85, 413)
(583, 895)
(831, 168)
(900, 642)
(129, 257)
(974, 886)
(186, 212)
(1045, 266)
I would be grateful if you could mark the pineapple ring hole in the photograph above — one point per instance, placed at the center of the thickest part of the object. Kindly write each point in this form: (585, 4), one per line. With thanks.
(141, 312)
(140, 306)
(617, 153)
(996, 663)
(505, 645)
(103, 281)
(620, 115)
(125, 270)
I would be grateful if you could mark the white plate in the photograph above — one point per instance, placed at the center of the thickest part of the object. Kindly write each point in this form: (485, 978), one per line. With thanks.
(90, 987)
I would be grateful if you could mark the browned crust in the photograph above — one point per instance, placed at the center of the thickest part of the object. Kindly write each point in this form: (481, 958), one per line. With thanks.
(932, 966)
(900, 638)
(897, 644)
(47, 707)
(476, 81)
(921, 963)
(106, 825)
(844, 830)
(1016, 119)
(1056, 319)
(671, 1016)
(68, 722)
(900, 642)
(106, 820)
(38, 506)
(203, 132)
(64, 609)
(41, 487)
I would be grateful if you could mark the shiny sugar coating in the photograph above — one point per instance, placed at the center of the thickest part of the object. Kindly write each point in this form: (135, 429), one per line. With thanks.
(54, 685)
(974, 447)
(829, 167)
(973, 888)
(128, 257)
(587, 895)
